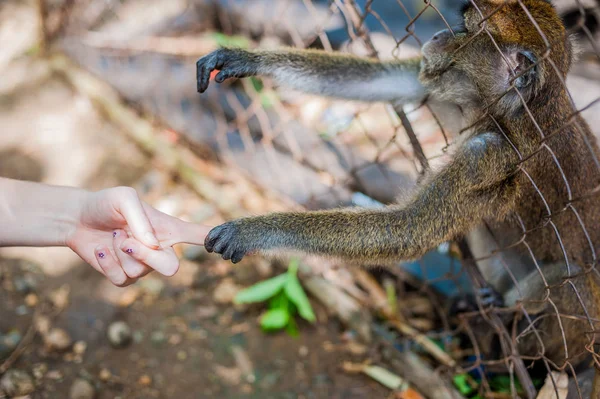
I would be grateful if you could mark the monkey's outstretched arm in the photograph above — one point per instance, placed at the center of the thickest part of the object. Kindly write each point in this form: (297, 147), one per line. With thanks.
(476, 184)
(319, 72)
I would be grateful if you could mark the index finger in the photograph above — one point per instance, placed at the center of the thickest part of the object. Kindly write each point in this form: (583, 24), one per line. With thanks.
(188, 233)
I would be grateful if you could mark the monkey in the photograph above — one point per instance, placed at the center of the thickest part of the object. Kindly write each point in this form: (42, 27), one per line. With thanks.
(520, 174)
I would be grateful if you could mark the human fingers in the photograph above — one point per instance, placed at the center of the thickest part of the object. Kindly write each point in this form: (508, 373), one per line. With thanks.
(111, 268)
(163, 260)
(171, 230)
(131, 266)
(186, 232)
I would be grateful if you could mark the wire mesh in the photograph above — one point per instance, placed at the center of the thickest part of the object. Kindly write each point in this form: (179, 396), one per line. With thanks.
(324, 153)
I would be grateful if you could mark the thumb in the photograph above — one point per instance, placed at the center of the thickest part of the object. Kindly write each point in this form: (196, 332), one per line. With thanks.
(130, 206)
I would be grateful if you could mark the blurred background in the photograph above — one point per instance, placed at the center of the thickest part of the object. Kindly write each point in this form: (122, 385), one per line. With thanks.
(102, 93)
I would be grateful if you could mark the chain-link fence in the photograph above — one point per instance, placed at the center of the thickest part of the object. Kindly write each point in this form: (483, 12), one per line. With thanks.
(322, 153)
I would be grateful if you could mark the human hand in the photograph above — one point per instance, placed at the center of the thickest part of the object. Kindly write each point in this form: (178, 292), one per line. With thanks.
(125, 238)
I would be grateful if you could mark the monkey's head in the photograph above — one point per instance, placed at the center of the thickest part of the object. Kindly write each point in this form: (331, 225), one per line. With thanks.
(504, 52)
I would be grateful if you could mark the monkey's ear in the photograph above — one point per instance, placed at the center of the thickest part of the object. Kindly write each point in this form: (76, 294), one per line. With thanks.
(523, 71)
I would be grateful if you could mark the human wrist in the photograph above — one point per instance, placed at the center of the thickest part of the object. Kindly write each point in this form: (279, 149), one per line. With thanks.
(69, 215)
(36, 214)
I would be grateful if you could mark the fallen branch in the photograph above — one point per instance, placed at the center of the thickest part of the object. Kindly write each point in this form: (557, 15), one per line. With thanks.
(420, 375)
(381, 305)
(338, 302)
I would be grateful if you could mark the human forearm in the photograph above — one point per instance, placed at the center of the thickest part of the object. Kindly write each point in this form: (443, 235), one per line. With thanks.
(33, 214)
(113, 229)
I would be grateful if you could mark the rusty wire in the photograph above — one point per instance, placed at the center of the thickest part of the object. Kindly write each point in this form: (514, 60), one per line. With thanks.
(320, 152)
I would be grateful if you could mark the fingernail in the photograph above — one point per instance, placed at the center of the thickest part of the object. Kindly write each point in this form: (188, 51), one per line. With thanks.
(150, 239)
(128, 247)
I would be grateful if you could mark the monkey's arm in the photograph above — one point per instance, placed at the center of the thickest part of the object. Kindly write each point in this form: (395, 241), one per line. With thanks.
(478, 183)
(318, 72)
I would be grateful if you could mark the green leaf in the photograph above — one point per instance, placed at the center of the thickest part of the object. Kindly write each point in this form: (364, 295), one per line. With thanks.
(390, 291)
(279, 301)
(33, 50)
(462, 384)
(295, 293)
(230, 41)
(257, 84)
(537, 382)
(293, 267)
(275, 319)
(292, 328)
(262, 291)
(502, 384)
(267, 99)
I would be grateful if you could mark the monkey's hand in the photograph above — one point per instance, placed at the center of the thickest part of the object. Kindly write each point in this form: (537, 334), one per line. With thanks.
(231, 62)
(235, 239)
(488, 296)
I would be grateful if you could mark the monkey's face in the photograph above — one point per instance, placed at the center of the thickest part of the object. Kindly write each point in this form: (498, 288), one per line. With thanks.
(503, 50)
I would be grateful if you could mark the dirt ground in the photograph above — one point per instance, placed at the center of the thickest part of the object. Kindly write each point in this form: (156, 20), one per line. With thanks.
(185, 343)
(188, 340)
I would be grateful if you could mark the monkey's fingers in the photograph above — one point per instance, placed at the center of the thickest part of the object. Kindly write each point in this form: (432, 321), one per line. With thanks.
(214, 240)
(224, 240)
(222, 76)
(202, 76)
(204, 68)
(490, 297)
(230, 73)
(206, 65)
(232, 63)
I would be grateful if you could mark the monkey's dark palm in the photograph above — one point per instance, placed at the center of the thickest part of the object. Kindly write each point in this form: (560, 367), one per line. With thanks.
(232, 240)
(232, 63)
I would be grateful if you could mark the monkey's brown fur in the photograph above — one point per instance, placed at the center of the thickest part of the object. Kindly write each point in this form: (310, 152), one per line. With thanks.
(524, 139)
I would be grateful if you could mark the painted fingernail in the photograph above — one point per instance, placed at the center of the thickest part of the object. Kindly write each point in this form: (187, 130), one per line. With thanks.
(128, 248)
(101, 255)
